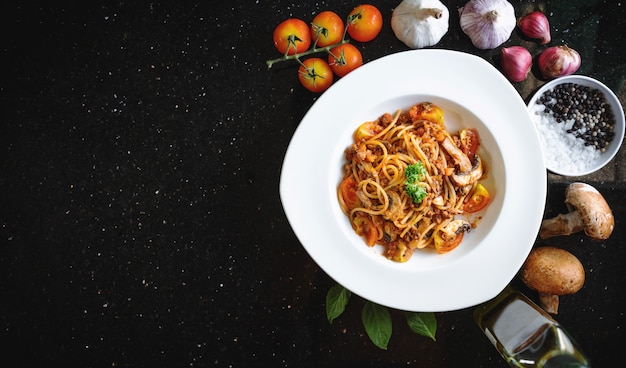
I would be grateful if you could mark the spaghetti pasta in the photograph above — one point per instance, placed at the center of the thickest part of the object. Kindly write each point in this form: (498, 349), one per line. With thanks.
(407, 182)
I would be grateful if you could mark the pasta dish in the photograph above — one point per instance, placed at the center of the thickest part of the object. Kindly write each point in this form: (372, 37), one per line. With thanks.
(409, 184)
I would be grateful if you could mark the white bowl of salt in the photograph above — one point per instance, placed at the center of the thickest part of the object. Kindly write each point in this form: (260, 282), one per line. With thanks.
(580, 123)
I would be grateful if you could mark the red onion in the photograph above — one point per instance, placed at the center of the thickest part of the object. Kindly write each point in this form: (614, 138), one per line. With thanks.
(535, 25)
(516, 62)
(558, 61)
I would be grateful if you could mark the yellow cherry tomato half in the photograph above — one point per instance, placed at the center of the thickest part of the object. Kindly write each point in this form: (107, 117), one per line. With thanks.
(477, 200)
(364, 22)
(426, 111)
(292, 36)
(444, 246)
(365, 227)
(326, 28)
(366, 131)
(347, 194)
(315, 75)
(399, 253)
(470, 140)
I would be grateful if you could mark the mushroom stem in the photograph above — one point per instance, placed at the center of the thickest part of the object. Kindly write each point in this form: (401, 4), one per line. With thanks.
(567, 224)
(460, 158)
(549, 302)
(588, 210)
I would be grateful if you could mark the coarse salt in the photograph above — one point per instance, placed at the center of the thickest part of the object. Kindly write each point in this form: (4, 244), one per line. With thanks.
(562, 151)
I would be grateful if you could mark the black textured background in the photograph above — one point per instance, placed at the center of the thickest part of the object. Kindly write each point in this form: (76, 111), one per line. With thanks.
(140, 222)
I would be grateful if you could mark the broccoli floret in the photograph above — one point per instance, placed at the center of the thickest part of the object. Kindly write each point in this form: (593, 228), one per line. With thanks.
(415, 191)
(414, 174)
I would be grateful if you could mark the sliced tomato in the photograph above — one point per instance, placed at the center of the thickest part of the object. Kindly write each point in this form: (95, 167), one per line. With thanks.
(366, 131)
(477, 200)
(426, 111)
(347, 191)
(444, 246)
(365, 228)
(400, 253)
(469, 141)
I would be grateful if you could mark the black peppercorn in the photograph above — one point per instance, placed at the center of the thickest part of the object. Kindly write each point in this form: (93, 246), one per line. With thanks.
(593, 120)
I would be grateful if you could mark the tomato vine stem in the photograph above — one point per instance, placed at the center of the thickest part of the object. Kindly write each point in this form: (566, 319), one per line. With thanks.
(297, 56)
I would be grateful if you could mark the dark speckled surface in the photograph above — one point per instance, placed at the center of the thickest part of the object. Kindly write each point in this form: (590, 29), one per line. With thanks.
(140, 219)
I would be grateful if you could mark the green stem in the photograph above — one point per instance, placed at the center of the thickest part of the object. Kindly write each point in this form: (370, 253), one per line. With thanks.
(305, 53)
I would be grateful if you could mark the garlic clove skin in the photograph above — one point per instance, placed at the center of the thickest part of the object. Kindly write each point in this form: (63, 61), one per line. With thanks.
(535, 25)
(488, 23)
(516, 63)
(557, 61)
(420, 23)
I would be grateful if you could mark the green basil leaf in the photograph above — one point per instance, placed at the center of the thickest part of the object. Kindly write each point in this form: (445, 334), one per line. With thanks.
(423, 323)
(377, 322)
(336, 301)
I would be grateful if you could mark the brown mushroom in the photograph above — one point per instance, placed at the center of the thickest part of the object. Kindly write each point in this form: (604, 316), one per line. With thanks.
(552, 272)
(460, 158)
(588, 211)
(469, 177)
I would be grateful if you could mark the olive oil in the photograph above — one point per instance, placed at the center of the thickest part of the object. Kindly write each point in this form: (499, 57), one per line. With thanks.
(526, 335)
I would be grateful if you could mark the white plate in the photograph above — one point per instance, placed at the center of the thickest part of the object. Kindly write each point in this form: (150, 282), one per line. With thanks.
(563, 167)
(472, 93)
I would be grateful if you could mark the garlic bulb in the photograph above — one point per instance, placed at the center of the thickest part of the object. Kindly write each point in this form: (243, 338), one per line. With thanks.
(420, 23)
(488, 23)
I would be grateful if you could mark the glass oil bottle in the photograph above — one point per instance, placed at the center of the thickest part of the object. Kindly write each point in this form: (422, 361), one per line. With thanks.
(526, 335)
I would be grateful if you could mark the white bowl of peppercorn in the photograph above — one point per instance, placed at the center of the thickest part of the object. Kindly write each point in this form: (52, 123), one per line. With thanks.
(580, 123)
